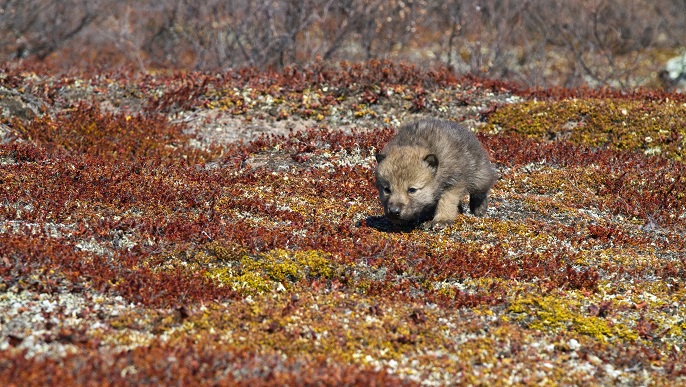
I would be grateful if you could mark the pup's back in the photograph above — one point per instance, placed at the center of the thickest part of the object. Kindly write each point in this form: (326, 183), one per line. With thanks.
(461, 156)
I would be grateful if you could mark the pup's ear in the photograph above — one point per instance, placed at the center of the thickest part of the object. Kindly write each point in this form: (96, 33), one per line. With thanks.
(380, 157)
(432, 160)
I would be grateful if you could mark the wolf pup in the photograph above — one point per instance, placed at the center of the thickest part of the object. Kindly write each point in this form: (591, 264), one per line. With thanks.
(427, 168)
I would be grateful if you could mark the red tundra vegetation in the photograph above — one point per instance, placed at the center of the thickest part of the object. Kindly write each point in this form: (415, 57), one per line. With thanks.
(223, 228)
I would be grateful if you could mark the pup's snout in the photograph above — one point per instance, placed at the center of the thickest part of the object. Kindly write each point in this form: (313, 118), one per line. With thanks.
(394, 211)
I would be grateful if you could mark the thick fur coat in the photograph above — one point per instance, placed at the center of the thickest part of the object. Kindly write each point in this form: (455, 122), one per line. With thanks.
(424, 172)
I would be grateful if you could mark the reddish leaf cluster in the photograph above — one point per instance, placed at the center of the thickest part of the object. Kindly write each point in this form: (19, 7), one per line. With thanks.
(631, 184)
(86, 129)
(187, 363)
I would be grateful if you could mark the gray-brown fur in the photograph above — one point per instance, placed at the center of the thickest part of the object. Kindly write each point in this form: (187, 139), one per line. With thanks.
(428, 167)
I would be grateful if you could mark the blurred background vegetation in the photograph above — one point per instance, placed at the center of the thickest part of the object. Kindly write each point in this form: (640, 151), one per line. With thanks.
(617, 43)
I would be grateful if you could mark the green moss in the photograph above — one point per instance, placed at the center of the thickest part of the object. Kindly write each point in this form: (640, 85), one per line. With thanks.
(554, 314)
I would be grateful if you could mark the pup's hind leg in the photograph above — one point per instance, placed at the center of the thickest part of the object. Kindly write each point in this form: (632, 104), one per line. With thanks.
(478, 203)
(478, 195)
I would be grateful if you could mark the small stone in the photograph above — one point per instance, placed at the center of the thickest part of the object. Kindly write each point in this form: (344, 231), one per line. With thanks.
(573, 344)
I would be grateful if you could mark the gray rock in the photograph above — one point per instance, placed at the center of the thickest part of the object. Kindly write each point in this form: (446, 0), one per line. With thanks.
(674, 73)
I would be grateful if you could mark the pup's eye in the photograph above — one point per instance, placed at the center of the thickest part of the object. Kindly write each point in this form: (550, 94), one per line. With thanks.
(387, 190)
(412, 190)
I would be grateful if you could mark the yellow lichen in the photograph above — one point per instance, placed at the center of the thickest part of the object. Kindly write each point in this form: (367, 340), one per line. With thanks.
(255, 274)
(649, 126)
(552, 313)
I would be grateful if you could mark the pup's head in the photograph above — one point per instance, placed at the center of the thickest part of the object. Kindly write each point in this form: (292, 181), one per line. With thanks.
(406, 180)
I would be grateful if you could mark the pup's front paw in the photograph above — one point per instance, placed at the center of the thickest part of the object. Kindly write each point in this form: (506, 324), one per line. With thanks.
(436, 225)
